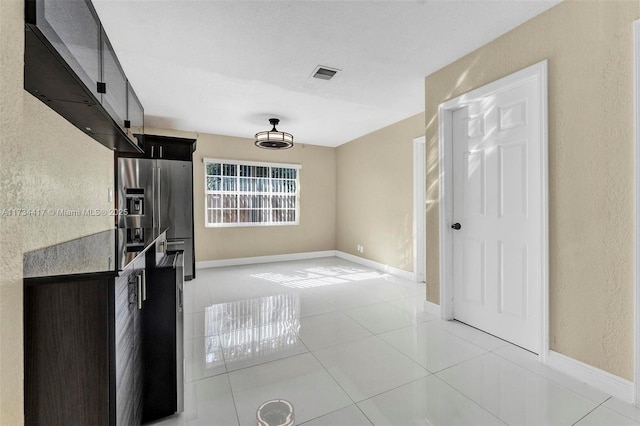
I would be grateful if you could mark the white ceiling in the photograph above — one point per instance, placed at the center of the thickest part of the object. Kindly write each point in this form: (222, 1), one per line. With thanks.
(225, 67)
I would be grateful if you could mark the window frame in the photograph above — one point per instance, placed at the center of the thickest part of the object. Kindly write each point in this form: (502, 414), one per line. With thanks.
(237, 192)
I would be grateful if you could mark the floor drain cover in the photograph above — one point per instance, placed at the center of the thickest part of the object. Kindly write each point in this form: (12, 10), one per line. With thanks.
(276, 412)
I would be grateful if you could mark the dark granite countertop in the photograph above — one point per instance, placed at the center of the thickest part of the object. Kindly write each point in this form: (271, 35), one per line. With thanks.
(107, 253)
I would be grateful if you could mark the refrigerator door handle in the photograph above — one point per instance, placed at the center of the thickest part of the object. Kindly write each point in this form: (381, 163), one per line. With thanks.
(153, 195)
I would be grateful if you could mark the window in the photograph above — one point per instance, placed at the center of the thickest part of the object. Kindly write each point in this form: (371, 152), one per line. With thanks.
(240, 193)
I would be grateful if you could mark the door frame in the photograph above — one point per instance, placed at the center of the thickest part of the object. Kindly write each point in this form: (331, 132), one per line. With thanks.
(636, 243)
(538, 73)
(419, 210)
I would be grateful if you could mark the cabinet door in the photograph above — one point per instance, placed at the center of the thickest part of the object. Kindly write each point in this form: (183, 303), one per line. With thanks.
(138, 384)
(125, 307)
(73, 28)
(135, 114)
(66, 329)
(128, 356)
(114, 100)
(168, 150)
(160, 338)
(176, 151)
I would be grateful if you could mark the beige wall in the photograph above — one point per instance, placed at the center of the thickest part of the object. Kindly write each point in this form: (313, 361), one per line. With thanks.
(375, 194)
(63, 169)
(11, 180)
(589, 48)
(45, 162)
(316, 231)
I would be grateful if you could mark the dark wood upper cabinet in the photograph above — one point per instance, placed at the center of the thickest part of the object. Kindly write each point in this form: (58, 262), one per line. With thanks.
(135, 114)
(169, 148)
(71, 66)
(114, 98)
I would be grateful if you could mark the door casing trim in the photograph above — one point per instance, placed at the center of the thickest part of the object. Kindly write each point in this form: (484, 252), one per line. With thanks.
(537, 72)
(419, 209)
(636, 213)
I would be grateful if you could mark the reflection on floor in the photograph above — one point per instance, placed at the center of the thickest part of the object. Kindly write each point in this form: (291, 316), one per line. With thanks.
(347, 345)
(255, 327)
(318, 276)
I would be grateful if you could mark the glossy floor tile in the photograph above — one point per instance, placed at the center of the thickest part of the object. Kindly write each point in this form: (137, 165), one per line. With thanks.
(516, 395)
(387, 289)
(349, 346)
(330, 329)
(196, 297)
(428, 401)
(350, 415)
(603, 416)
(431, 347)
(414, 305)
(473, 335)
(529, 361)
(301, 380)
(623, 408)
(257, 345)
(311, 305)
(194, 325)
(346, 296)
(368, 366)
(209, 399)
(381, 317)
(203, 358)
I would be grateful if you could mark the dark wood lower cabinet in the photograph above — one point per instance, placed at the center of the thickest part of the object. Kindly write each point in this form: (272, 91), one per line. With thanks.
(83, 352)
(159, 346)
(127, 349)
(67, 353)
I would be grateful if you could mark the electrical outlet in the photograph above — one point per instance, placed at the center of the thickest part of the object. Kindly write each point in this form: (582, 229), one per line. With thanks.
(361, 249)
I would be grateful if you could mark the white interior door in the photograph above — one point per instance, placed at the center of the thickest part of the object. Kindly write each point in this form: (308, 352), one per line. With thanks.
(497, 250)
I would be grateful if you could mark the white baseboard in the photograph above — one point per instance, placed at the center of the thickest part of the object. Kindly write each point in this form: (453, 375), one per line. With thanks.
(595, 377)
(432, 308)
(264, 259)
(401, 273)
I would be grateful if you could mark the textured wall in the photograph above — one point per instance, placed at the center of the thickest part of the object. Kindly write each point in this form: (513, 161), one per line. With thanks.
(63, 169)
(11, 181)
(45, 162)
(375, 194)
(316, 231)
(589, 48)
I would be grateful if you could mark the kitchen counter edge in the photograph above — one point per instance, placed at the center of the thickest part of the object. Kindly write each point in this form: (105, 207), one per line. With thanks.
(46, 264)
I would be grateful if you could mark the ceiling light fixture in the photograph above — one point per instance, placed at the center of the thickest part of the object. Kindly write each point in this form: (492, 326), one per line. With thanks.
(273, 139)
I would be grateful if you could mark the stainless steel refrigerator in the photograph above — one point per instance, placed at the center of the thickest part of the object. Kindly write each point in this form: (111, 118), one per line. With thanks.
(158, 194)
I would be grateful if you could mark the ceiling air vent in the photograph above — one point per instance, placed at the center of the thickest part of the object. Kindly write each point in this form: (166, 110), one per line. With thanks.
(324, 73)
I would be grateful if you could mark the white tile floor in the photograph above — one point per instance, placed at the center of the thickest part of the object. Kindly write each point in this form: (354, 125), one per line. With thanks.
(350, 346)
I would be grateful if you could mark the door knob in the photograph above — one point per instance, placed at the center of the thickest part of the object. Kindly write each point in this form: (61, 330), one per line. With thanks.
(456, 226)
